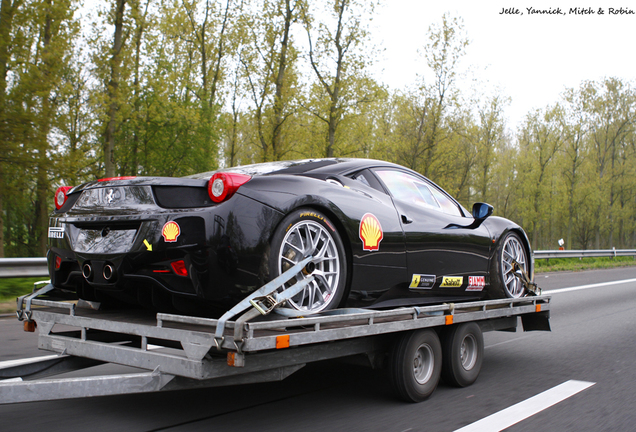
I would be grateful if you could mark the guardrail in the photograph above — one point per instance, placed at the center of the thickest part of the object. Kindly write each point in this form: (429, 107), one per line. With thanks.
(36, 267)
(23, 267)
(546, 254)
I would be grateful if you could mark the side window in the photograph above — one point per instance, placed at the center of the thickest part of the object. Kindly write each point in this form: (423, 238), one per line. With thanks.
(362, 178)
(445, 203)
(368, 179)
(411, 189)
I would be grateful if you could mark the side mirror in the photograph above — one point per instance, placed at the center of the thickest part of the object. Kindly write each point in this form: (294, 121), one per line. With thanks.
(482, 210)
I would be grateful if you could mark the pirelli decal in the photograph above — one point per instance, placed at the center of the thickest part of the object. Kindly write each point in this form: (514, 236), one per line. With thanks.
(452, 281)
(56, 232)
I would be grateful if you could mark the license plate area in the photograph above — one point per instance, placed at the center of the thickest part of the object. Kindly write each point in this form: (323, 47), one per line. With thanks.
(103, 239)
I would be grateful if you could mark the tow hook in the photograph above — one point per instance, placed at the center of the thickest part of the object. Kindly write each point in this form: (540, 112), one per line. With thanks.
(531, 288)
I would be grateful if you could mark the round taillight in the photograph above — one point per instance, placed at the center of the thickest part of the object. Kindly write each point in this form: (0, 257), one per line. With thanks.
(222, 186)
(218, 188)
(61, 196)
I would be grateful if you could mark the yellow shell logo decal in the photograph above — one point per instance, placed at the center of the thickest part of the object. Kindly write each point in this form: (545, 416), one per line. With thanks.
(370, 232)
(171, 231)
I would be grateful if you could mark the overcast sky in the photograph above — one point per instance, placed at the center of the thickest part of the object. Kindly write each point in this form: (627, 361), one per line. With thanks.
(531, 57)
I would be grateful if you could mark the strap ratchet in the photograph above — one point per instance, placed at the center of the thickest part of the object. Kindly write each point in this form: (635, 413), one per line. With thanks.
(269, 289)
(531, 287)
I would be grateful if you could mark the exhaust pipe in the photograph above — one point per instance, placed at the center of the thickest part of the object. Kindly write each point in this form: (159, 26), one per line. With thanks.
(108, 273)
(87, 271)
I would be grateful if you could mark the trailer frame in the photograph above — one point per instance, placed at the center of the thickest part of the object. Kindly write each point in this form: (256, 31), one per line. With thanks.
(178, 352)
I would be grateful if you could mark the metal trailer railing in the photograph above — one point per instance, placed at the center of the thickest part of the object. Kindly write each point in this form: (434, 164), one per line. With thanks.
(179, 352)
(36, 267)
(247, 344)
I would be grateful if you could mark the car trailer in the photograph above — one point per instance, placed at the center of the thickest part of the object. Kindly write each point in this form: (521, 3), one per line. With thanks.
(418, 344)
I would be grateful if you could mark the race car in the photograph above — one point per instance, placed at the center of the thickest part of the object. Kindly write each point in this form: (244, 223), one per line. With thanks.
(380, 236)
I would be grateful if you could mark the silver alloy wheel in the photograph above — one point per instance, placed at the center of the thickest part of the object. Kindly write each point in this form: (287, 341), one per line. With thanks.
(311, 238)
(512, 251)
(423, 364)
(468, 352)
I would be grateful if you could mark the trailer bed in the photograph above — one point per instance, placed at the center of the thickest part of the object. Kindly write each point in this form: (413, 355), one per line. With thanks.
(178, 351)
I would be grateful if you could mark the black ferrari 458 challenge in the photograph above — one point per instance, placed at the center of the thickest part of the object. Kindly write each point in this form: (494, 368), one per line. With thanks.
(380, 236)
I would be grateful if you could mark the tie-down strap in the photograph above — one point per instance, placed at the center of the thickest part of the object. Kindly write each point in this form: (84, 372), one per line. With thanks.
(268, 289)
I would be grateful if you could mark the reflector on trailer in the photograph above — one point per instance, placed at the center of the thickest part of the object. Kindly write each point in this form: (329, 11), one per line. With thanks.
(282, 341)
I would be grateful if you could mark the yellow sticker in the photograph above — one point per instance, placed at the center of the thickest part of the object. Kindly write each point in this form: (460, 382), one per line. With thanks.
(452, 282)
(370, 232)
(420, 281)
(148, 245)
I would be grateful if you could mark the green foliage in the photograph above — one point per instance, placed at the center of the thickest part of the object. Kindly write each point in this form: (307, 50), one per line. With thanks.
(577, 264)
(177, 87)
(11, 288)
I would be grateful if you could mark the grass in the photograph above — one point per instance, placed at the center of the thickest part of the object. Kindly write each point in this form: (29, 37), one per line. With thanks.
(577, 264)
(12, 288)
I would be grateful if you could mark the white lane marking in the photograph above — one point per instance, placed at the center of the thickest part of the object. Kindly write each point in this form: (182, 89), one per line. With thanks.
(517, 339)
(521, 411)
(582, 287)
(29, 360)
(18, 362)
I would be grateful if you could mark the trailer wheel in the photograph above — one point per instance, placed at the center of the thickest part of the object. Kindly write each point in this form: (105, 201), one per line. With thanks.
(463, 353)
(415, 364)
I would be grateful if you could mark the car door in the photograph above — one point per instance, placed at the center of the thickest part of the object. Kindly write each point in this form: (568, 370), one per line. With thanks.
(447, 254)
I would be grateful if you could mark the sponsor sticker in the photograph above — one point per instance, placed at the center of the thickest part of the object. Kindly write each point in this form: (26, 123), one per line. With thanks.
(420, 281)
(370, 232)
(452, 281)
(317, 216)
(476, 283)
(56, 232)
(171, 231)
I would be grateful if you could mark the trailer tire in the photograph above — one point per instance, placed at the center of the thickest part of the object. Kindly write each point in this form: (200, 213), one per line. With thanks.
(462, 354)
(415, 364)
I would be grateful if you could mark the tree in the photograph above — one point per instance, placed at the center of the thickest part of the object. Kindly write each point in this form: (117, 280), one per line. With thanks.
(336, 57)
(447, 44)
(540, 140)
(575, 133)
(7, 12)
(611, 107)
(35, 48)
(268, 58)
(112, 87)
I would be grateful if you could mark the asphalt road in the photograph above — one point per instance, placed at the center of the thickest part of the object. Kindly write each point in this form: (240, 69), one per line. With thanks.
(593, 340)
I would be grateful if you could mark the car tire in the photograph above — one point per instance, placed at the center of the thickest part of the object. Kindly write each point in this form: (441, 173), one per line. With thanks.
(415, 364)
(462, 354)
(504, 283)
(307, 232)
